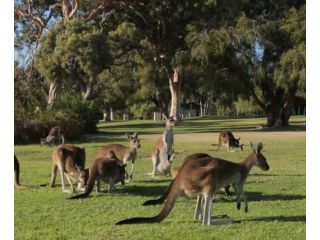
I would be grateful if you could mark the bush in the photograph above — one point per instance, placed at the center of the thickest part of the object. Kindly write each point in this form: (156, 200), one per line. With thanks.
(142, 110)
(73, 116)
(87, 111)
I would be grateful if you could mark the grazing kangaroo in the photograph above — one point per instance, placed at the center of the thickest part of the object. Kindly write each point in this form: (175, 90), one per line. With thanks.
(162, 153)
(201, 174)
(110, 170)
(54, 137)
(226, 138)
(122, 152)
(71, 163)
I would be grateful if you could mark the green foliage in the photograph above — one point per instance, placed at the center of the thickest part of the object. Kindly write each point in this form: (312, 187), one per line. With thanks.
(244, 106)
(87, 112)
(142, 110)
(71, 113)
(223, 48)
(29, 127)
(73, 53)
(29, 93)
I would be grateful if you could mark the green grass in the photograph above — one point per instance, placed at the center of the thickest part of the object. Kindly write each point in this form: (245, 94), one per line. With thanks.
(277, 199)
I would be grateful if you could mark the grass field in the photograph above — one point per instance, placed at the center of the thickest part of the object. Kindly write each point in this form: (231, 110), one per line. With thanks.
(277, 198)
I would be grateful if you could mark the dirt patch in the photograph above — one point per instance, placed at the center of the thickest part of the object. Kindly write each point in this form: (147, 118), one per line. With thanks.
(247, 136)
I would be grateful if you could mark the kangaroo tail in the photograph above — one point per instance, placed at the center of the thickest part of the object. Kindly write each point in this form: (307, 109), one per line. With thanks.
(89, 186)
(171, 199)
(159, 200)
(16, 172)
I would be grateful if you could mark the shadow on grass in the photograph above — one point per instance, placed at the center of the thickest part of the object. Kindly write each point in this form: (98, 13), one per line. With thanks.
(154, 181)
(298, 218)
(276, 175)
(259, 196)
(150, 191)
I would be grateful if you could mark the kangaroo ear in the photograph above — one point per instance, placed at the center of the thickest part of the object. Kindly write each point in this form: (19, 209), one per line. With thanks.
(251, 146)
(128, 136)
(112, 155)
(239, 139)
(259, 147)
(135, 135)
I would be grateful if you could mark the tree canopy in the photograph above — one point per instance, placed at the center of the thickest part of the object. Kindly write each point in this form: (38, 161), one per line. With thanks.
(120, 53)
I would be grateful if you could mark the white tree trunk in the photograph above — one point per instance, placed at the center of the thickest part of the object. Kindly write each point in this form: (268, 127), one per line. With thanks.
(175, 90)
(53, 93)
(111, 114)
(87, 91)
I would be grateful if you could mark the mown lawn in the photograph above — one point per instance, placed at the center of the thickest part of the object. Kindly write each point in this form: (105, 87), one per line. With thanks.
(277, 198)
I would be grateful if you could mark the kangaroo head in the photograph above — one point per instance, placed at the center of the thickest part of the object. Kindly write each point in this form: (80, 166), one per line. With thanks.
(134, 141)
(42, 141)
(170, 122)
(84, 176)
(259, 159)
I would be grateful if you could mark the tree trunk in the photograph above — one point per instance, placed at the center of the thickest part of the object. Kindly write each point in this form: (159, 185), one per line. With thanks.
(277, 116)
(286, 114)
(111, 114)
(175, 90)
(87, 89)
(201, 108)
(53, 93)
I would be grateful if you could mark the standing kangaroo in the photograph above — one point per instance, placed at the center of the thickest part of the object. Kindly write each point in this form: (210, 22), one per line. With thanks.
(110, 170)
(162, 152)
(203, 175)
(122, 152)
(71, 163)
(226, 138)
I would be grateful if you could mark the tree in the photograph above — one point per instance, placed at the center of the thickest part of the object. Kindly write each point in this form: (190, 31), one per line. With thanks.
(276, 75)
(72, 53)
(255, 54)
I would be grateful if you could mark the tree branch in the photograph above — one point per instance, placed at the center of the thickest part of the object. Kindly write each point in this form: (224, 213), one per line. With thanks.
(75, 7)
(36, 19)
(97, 10)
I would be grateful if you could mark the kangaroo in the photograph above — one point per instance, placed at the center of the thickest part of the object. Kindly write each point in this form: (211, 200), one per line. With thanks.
(203, 175)
(122, 152)
(71, 163)
(110, 170)
(226, 138)
(162, 153)
(55, 137)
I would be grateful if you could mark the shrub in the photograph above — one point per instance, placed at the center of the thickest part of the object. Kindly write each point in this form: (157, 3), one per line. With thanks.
(142, 110)
(71, 114)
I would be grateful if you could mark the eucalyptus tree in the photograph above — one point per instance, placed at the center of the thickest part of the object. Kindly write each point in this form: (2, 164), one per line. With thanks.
(162, 48)
(35, 20)
(260, 53)
(275, 74)
(72, 55)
